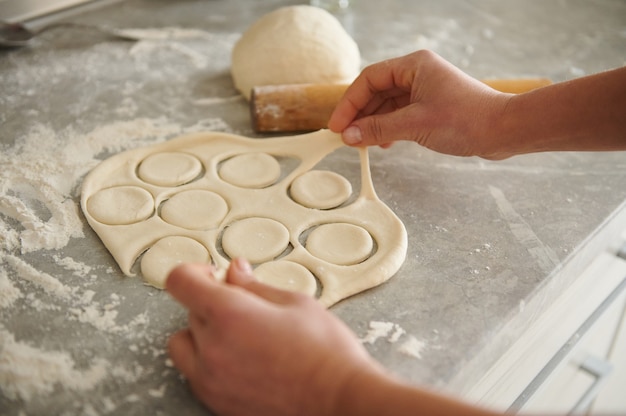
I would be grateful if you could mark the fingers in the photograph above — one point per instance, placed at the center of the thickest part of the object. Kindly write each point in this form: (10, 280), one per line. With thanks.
(240, 274)
(367, 114)
(375, 85)
(384, 129)
(182, 351)
(194, 287)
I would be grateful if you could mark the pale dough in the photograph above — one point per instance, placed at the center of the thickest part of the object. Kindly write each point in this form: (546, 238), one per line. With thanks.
(294, 45)
(250, 170)
(344, 244)
(168, 253)
(256, 239)
(121, 205)
(287, 275)
(330, 250)
(195, 209)
(321, 189)
(169, 169)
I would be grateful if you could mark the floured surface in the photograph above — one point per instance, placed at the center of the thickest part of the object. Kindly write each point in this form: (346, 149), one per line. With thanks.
(62, 328)
(348, 249)
(68, 102)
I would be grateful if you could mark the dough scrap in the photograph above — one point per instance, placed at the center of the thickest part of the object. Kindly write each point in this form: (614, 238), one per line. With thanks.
(294, 45)
(191, 233)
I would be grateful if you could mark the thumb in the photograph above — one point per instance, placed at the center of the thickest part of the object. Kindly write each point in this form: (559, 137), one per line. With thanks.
(381, 129)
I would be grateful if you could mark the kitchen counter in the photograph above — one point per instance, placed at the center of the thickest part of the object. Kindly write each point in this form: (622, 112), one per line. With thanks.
(491, 244)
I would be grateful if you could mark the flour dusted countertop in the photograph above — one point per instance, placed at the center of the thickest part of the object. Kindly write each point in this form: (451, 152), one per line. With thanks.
(491, 244)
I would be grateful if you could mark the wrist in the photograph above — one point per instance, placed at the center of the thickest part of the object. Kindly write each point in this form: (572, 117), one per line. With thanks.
(520, 124)
(584, 114)
(363, 393)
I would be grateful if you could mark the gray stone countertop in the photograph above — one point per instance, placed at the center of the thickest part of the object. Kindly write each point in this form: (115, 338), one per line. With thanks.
(486, 239)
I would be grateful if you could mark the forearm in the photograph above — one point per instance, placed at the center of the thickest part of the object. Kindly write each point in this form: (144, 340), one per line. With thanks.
(585, 114)
(377, 394)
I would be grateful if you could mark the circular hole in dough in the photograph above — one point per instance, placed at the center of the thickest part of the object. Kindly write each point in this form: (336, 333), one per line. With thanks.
(250, 170)
(195, 209)
(287, 275)
(256, 239)
(121, 205)
(320, 189)
(166, 254)
(169, 169)
(340, 243)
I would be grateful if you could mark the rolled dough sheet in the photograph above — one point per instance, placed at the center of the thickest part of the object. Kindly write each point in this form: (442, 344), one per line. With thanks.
(158, 206)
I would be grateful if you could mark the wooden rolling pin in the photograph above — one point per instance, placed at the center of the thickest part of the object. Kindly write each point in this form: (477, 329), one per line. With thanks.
(306, 107)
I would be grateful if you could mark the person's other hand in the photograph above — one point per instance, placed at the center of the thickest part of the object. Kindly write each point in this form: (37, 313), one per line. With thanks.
(423, 98)
(254, 349)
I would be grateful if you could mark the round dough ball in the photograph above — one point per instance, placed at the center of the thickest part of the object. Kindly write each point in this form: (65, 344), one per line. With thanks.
(294, 45)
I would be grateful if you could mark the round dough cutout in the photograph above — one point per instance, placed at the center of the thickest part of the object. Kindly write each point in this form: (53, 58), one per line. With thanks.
(294, 45)
(169, 169)
(166, 254)
(256, 239)
(250, 170)
(121, 205)
(195, 209)
(340, 243)
(287, 275)
(320, 189)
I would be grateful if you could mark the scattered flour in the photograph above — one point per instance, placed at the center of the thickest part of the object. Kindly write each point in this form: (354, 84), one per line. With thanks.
(40, 172)
(161, 42)
(396, 334)
(377, 329)
(77, 268)
(43, 280)
(42, 166)
(412, 347)
(144, 48)
(164, 33)
(26, 372)
(8, 292)
(158, 393)
(218, 100)
(39, 212)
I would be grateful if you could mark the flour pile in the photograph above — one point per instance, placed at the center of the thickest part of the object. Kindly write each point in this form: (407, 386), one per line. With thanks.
(39, 215)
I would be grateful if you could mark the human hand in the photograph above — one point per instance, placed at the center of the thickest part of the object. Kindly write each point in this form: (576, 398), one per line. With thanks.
(254, 349)
(423, 98)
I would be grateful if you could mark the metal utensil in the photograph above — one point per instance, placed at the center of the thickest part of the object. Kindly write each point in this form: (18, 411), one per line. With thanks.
(17, 34)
